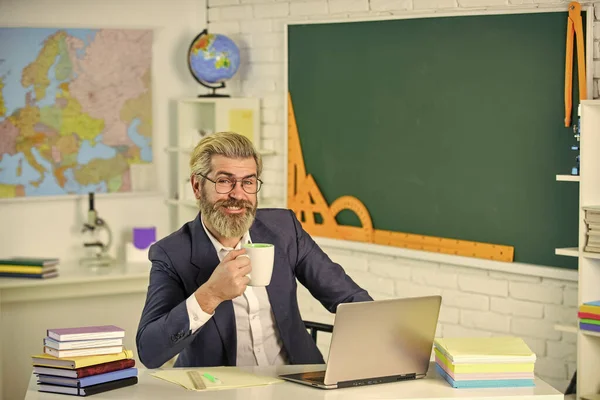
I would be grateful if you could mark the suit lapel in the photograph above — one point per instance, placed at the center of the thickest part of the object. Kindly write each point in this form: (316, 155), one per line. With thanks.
(204, 257)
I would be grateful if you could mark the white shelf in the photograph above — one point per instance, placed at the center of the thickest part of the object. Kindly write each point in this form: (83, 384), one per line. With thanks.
(567, 251)
(591, 396)
(590, 333)
(588, 349)
(567, 178)
(188, 150)
(566, 328)
(187, 203)
(588, 254)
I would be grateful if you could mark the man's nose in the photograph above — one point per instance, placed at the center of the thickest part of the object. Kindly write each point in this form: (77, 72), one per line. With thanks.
(237, 191)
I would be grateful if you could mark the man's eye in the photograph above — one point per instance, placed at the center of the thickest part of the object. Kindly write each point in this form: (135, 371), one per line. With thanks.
(249, 182)
(224, 181)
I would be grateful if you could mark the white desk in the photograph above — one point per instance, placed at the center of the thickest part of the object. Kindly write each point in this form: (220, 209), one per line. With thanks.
(432, 388)
(77, 297)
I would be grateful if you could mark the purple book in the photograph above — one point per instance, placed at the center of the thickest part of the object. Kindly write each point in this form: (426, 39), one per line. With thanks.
(86, 332)
(589, 327)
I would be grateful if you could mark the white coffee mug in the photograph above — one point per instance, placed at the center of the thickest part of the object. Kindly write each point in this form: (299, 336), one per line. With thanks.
(261, 256)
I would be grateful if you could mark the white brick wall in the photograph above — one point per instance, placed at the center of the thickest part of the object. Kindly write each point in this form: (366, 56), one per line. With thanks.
(475, 302)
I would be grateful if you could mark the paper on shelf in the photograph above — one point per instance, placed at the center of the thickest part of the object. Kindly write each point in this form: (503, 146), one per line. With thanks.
(229, 377)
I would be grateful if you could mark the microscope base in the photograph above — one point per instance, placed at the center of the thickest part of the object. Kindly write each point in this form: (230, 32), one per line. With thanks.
(101, 260)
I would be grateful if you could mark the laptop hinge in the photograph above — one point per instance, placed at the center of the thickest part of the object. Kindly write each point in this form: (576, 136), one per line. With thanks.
(374, 381)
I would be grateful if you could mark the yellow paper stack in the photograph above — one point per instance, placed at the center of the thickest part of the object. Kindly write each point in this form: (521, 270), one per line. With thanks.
(485, 362)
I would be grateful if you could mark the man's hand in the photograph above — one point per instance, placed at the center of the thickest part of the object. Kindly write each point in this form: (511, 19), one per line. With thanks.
(227, 281)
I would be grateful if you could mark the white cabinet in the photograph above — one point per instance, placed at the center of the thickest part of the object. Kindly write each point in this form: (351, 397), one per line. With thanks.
(588, 344)
(196, 118)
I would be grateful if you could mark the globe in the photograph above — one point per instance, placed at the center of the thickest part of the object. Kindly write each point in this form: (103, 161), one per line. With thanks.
(213, 59)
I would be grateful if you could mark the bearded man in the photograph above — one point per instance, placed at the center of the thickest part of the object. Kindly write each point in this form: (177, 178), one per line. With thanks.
(199, 305)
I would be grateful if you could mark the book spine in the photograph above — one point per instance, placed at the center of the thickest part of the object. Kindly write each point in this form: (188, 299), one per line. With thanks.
(24, 263)
(17, 275)
(96, 351)
(104, 387)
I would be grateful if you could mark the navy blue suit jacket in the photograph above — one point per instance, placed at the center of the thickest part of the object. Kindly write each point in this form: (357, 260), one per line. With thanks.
(184, 260)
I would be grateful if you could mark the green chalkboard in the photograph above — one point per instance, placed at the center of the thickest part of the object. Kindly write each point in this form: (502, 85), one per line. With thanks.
(445, 126)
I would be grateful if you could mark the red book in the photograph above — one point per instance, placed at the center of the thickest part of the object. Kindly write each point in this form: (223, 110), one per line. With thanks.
(587, 315)
(86, 371)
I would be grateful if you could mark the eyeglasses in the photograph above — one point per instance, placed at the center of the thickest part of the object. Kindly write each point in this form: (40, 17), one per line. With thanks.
(225, 184)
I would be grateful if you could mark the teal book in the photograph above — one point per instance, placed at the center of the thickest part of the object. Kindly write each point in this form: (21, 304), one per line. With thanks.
(29, 261)
(484, 383)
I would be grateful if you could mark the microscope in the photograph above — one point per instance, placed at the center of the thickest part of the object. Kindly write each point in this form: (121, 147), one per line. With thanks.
(96, 251)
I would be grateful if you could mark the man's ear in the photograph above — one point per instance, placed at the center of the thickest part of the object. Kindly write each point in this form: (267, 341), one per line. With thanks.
(195, 182)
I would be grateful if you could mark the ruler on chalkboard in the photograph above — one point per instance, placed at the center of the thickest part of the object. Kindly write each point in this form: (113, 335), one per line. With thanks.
(318, 218)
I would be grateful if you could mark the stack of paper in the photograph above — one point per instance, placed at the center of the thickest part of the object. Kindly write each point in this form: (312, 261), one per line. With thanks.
(485, 362)
(589, 316)
(84, 361)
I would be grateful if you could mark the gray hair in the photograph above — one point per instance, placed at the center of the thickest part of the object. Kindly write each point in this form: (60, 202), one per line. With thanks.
(227, 144)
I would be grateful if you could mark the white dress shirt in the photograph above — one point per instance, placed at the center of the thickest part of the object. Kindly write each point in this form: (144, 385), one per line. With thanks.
(258, 341)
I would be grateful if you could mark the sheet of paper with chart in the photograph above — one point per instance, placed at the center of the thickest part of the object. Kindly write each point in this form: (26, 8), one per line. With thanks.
(224, 378)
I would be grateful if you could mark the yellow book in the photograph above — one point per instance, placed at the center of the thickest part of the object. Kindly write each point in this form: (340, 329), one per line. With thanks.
(482, 368)
(46, 360)
(589, 309)
(19, 269)
(472, 350)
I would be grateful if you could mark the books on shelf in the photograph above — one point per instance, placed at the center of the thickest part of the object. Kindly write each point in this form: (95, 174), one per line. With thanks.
(28, 267)
(592, 223)
(589, 316)
(29, 261)
(83, 361)
(485, 362)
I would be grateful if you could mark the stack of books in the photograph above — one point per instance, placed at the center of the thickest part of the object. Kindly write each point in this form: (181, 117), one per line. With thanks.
(485, 362)
(592, 222)
(84, 361)
(589, 316)
(29, 267)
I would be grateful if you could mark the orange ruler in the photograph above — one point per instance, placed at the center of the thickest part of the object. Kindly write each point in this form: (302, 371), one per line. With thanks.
(574, 29)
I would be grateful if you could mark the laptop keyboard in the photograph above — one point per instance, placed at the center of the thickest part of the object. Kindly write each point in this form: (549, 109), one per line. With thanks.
(317, 377)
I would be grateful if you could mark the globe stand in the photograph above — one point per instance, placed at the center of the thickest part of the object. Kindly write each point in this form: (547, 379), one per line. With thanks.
(214, 89)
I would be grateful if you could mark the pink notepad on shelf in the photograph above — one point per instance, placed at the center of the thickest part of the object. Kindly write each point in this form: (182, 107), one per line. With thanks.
(86, 332)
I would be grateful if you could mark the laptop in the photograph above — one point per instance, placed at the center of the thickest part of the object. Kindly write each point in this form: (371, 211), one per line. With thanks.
(377, 342)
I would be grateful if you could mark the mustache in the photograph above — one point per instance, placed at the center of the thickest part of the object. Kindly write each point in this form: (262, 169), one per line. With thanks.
(233, 203)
